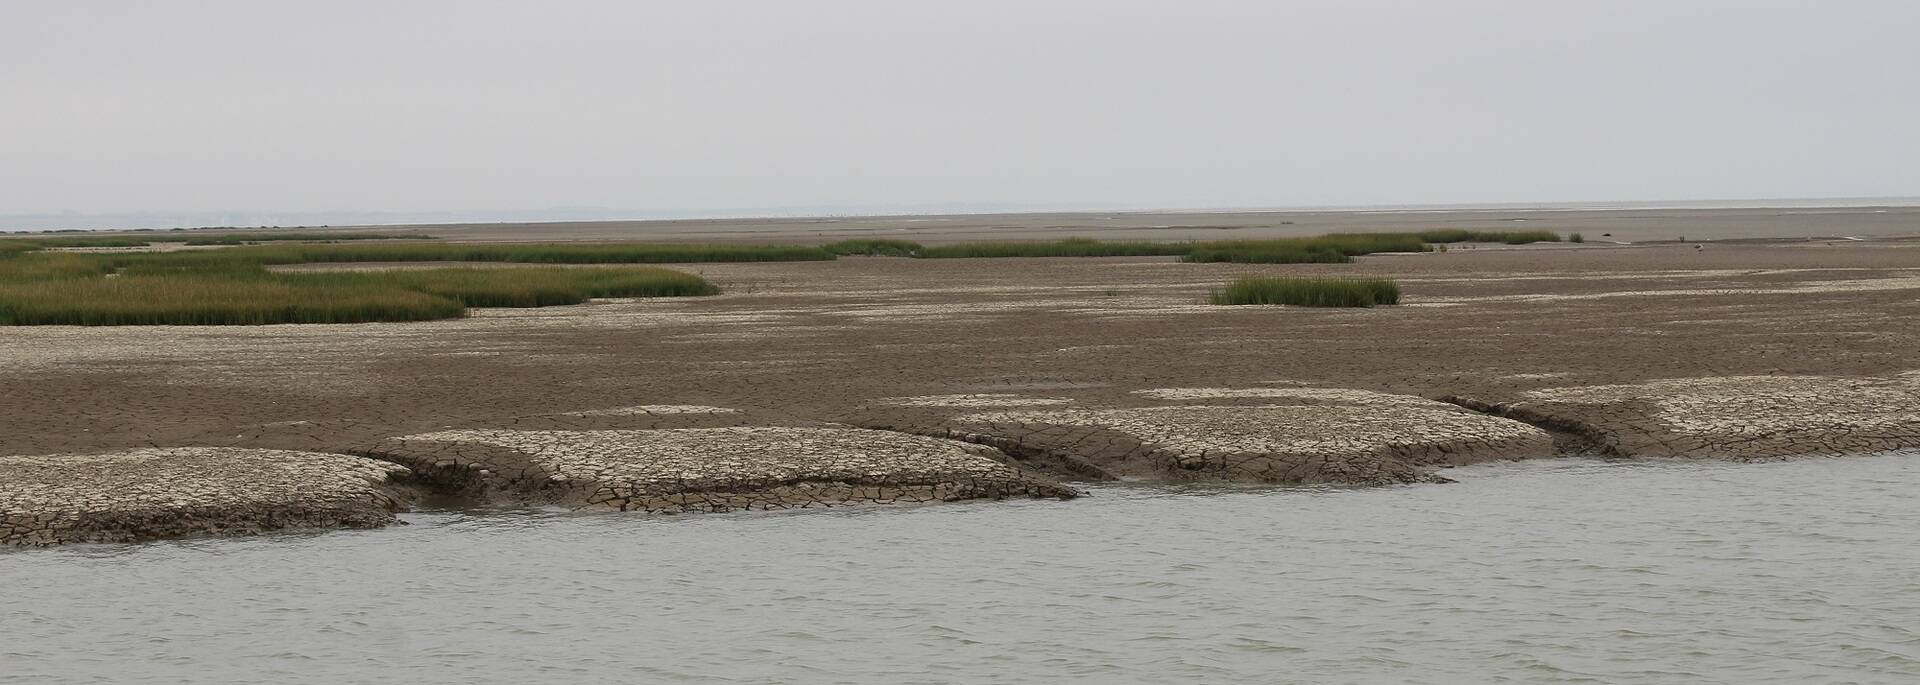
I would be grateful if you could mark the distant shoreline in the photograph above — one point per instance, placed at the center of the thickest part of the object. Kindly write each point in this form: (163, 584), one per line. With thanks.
(165, 220)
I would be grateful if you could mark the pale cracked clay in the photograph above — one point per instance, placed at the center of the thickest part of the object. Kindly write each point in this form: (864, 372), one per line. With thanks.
(153, 493)
(712, 469)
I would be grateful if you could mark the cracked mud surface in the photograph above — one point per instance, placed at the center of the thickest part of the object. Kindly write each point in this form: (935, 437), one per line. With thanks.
(1118, 347)
(144, 494)
(1738, 417)
(714, 469)
(1293, 436)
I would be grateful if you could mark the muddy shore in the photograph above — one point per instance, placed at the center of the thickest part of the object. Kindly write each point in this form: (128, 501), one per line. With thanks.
(1623, 225)
(1010, 377)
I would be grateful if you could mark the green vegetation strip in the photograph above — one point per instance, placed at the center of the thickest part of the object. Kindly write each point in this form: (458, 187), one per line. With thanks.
(1309, 292)
(878, 247)
(1335, 248)
(215, 288)
(231, 285)
(301, 236)
(531, 253)
(212, 300)
(1070, 247)
(18, 245)
(1508, 237)
(534, 253)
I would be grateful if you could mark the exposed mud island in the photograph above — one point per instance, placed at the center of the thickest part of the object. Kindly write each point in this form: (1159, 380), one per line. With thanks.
(1738, 334)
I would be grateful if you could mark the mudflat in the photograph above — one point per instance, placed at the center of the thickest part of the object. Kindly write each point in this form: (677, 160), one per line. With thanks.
(1071, 368)
(1626, 225)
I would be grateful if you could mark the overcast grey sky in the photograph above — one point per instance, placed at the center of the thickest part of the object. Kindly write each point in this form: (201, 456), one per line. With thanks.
(468, 104)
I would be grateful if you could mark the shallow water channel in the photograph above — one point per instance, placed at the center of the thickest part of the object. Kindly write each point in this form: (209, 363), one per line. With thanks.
(1656, 572)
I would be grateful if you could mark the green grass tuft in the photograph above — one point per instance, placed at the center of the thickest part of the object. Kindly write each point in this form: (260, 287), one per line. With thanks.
(1456, 235)
(1070, 247)
(303, 236)
(880, 247)
(44, 266)
(18, 245)
(218, 287)
(534, 253)
(1335, 248)
(528, 287)
(1309, 292)
(1279, 254)
(189, 299)
(1576, 238)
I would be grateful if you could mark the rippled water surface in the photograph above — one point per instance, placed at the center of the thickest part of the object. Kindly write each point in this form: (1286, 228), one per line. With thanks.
(1804, 571)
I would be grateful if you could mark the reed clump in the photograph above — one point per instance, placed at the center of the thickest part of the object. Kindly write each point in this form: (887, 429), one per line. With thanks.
(45, 266)
(1069, 247)
(527, 287)
(875, 247)
(1456, 235)
(200, 300)
(18, 245)
(1309, 292)
(298, 236)
(230, 287)
(533, 253)
(1333, 248)
(1276, 254)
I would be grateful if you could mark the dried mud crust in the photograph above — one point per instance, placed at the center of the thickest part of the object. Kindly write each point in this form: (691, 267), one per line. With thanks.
(1288, 436)
(1735, 417)
(711, 469)
(153, 493)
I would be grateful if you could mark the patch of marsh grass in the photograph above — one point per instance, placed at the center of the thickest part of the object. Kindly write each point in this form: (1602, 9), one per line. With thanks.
(1070, 247)
(877, 247)
(214, 288)
(1309, 292)
(1277, 254)
(301, 236)
(534, 253)
(537, 253)
(200, 300)
(1456, 235)
(43, 266)
(1334, 248)
(528, 287)
(18, 245)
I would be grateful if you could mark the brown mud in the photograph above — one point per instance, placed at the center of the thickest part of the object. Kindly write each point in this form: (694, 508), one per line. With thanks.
(1074, 368)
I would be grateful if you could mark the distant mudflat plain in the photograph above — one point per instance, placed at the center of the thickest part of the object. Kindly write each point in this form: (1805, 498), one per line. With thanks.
(1769, 333)
(1631, 225)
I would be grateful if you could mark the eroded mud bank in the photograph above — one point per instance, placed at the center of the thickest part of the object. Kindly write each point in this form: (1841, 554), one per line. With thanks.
(671, 458)
(148, 494)
(1737, 417)
(711, 469)
(1290, 436)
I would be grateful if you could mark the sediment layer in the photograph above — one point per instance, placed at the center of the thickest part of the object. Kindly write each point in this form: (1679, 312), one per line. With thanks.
(1291, 436)
(1734, 417)
(712, 469)
(147, 494)
(680, 458)
(1575, 339)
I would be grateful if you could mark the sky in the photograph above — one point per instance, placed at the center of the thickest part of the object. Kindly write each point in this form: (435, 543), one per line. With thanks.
(711, 105)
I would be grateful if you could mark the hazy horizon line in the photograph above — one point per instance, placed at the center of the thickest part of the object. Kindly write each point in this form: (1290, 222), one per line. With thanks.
(261, 218)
